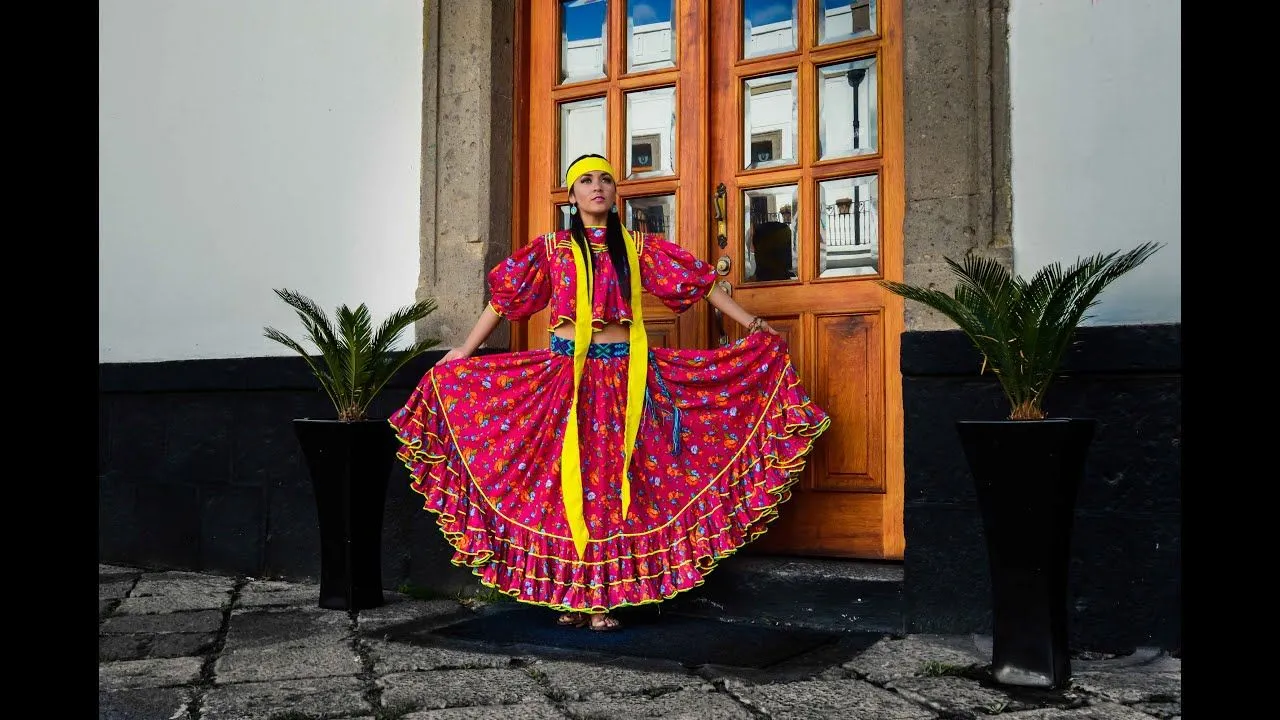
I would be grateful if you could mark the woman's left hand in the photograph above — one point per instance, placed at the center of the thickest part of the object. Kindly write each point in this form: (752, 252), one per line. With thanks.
(759, 324)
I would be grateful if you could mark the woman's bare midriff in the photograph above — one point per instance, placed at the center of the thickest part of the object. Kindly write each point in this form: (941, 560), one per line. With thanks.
(610, 333)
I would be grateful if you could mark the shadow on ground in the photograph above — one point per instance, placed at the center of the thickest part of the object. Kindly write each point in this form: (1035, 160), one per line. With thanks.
(645, 633)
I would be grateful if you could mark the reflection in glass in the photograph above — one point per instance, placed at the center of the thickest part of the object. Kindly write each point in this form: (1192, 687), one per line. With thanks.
(651, 37)
(583, 45)
(768, 27)
(847, 108)
(651, 139)
(655, 214)
(849, 227)
(582, 131)
(840, 20)
(770, 243)
(769, 120)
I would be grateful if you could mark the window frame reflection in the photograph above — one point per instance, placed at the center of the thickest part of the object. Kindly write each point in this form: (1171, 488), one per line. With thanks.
(568, 157)
(820, 23)
(775, 133)
(868, 85)
(563, 71)
(660, 134)
(667, 218)
(831, 224)
(749, 29)
(632, 67)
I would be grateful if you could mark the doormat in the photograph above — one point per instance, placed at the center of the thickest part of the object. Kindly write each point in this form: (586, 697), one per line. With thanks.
(689, 640)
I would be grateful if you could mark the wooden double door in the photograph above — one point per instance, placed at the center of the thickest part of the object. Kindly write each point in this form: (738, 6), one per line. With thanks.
(765, 136)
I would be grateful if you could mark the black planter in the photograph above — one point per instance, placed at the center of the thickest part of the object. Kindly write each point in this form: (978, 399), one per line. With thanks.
(349, 463)
(1026, 473)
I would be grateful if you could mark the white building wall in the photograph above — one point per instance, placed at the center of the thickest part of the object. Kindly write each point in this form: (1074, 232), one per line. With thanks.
(1095, 90)
(248, 145)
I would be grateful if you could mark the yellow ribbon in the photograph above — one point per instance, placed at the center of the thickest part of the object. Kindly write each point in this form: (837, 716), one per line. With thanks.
(584, 166)
(637, 360)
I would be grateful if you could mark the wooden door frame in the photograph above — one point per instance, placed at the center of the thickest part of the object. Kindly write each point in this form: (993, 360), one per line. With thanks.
(894, 204)
(529, 125)
(521, 156)
(696, 186)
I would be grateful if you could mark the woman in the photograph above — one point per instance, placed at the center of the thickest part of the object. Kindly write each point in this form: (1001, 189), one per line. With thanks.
(599, 473)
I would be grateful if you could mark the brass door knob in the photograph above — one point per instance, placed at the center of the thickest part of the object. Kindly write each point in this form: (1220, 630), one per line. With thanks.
(723, 265)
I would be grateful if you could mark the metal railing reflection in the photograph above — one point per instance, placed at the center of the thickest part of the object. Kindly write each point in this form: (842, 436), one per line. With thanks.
(649, 220)
(847, 226)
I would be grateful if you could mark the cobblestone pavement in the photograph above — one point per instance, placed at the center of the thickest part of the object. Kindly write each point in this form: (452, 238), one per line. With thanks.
(188, 646)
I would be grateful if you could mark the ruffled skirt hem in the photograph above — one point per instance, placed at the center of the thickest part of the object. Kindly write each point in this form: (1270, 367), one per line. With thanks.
(626, 568)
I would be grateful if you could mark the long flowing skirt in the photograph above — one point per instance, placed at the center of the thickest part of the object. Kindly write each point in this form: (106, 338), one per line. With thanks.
(482, 440)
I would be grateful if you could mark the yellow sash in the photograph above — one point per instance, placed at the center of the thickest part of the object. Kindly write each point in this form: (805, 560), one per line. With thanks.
(637, 360)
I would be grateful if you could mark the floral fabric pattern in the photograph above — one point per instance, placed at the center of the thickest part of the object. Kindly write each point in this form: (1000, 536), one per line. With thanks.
(542, 273)
(481, 438)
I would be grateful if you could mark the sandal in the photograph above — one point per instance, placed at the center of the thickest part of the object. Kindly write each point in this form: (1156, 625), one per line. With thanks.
(573, 619)
(604, 622)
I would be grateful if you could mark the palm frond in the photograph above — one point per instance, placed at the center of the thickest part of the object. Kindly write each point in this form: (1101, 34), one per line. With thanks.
(326, 383)
(312, 315)
(1023, 328)
(959, 313)
(354, 362)
(394, 362)
(999, 297)
(1080, 288)
(396, 323)
(355, 328)
(320, 332)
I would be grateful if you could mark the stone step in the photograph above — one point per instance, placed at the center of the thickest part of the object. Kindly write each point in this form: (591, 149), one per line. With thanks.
(827, 594)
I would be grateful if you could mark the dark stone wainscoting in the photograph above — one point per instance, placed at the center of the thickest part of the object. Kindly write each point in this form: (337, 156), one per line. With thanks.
(199, 469)
(1126, 566)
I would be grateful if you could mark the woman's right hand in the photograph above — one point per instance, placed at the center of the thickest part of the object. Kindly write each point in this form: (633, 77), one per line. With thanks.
(454, 354)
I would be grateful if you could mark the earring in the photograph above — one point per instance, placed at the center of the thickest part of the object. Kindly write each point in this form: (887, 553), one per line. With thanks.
(573, 209)
(615, 207)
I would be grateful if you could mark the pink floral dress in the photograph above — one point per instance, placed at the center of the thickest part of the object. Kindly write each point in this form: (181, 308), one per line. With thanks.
(723, 436)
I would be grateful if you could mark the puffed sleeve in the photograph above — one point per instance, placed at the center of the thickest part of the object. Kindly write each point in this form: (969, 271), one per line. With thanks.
(672, 274)
(521, 285)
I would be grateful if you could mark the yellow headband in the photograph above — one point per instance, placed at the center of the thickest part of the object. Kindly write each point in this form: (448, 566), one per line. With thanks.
(584, 166)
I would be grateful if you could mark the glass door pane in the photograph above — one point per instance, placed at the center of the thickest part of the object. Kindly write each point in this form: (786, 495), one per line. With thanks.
(651, 136)
(582, 131)
(769, 120)
(849, 227)
(654, 214)
(847, 108)
(768, 27)
(584, 40)
(840, 20)
(770, 244)
(651, 35)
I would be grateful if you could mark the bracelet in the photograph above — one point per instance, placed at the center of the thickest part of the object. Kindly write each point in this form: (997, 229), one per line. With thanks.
(756, 324)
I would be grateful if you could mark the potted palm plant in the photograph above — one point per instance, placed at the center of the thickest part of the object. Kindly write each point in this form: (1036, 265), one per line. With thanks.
(349, 458)
(1028, 467)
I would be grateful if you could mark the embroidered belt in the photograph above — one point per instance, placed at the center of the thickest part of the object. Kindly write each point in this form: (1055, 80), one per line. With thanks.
(604, 351)
(595, 351)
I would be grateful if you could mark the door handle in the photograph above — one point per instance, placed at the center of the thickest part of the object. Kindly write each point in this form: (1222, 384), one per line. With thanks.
(717, 203)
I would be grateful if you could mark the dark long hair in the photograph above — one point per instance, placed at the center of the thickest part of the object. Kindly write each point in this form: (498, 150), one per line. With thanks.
(613, 237)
